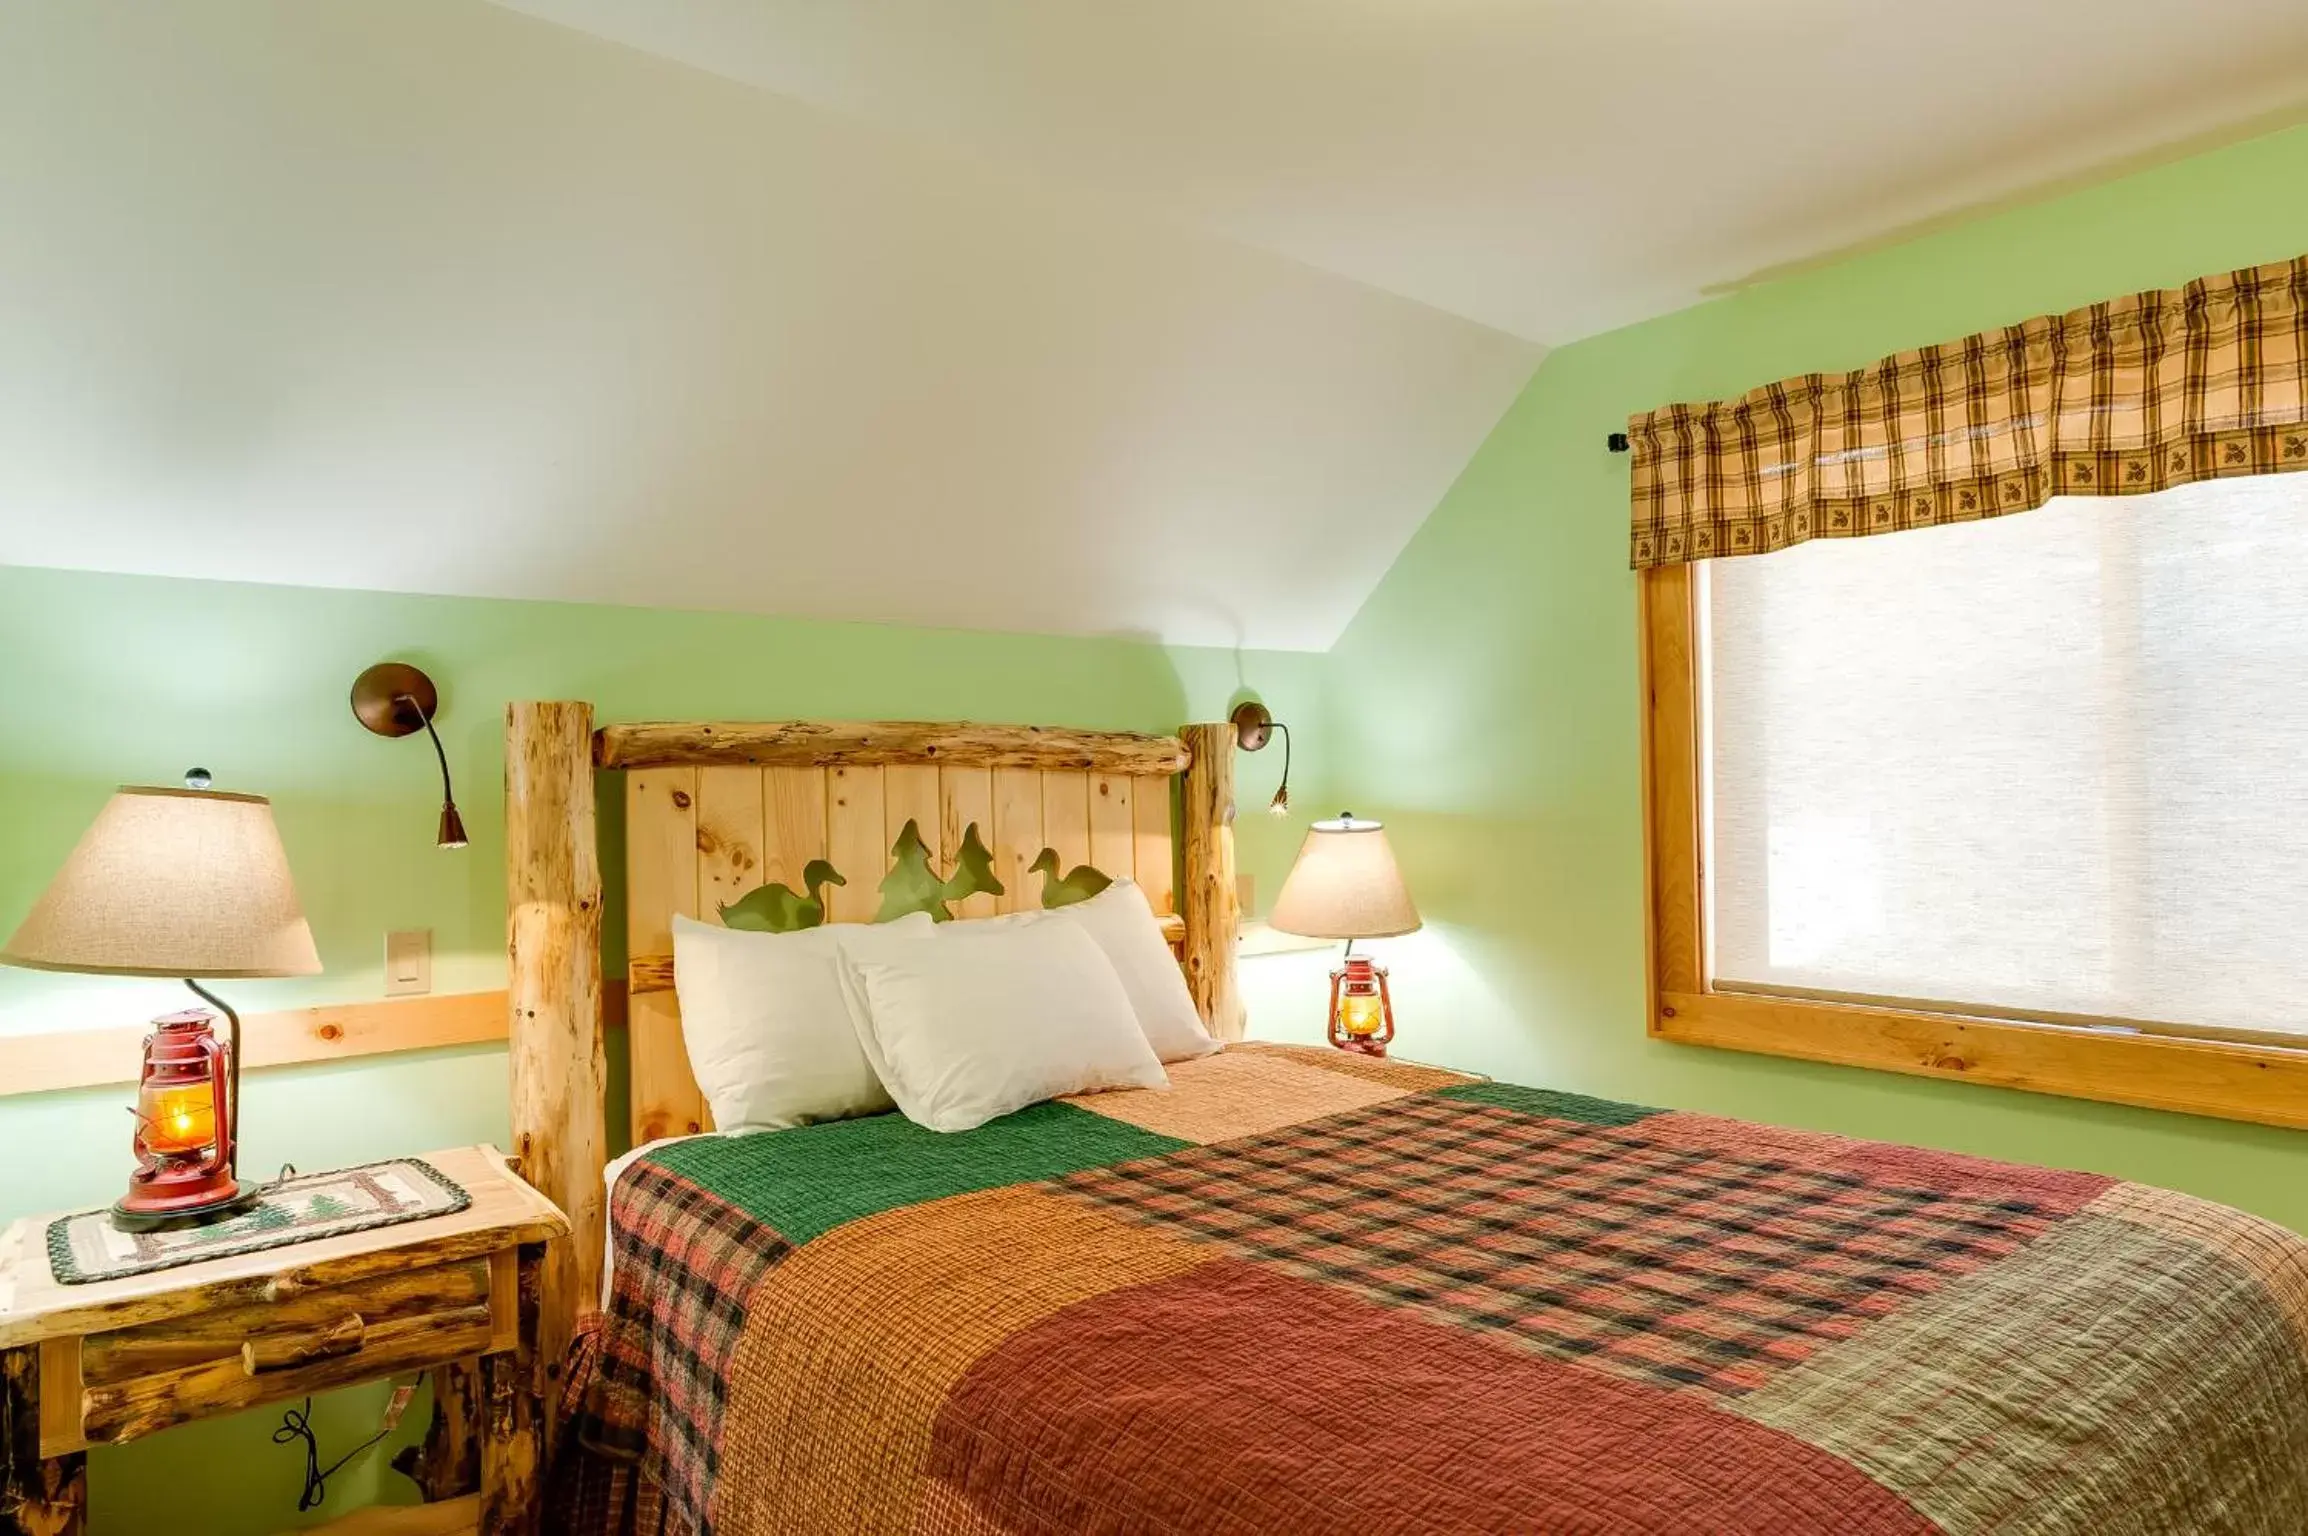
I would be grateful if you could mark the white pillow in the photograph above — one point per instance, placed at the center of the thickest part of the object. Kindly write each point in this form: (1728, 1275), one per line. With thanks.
(961, 1031)
(767, 1027)
(1121, 920)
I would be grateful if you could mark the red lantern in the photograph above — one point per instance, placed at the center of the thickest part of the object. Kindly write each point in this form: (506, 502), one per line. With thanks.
(1361, 1012)
(185, 1128)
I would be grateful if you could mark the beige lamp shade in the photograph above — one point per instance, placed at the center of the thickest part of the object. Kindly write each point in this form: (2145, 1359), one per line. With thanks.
(172, 882)
(1345, 885)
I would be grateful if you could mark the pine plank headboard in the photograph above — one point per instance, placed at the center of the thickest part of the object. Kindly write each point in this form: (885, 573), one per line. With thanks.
(716, 811)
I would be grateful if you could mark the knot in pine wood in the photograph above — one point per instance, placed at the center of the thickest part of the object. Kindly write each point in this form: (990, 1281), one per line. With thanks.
(287, 1284)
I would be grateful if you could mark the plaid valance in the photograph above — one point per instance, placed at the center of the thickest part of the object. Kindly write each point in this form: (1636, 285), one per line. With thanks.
(2134, 395)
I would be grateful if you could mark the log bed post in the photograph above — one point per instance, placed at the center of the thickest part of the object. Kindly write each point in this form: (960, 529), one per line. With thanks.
(1212, 902)
(553, 939)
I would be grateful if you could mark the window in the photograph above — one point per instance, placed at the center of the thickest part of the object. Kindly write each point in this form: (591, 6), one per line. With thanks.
(2024, 800)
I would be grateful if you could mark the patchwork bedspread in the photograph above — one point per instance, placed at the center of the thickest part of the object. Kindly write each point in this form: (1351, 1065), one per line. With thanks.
(1309, 1292)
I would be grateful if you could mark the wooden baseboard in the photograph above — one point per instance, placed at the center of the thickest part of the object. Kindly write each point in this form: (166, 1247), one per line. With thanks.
(450, 1517)
(92, 1058)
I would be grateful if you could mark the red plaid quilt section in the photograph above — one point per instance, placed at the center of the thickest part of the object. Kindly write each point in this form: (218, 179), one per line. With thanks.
(686, 1261)
(1696, 1269)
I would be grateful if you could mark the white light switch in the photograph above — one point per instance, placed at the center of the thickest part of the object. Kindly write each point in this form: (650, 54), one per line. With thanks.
(408, 962)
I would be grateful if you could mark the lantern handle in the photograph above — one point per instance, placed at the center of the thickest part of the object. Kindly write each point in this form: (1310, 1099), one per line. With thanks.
(220, 1149)
(228, 1123)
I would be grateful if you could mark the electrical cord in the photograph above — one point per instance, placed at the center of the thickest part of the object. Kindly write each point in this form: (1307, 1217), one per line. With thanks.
(297, 1424)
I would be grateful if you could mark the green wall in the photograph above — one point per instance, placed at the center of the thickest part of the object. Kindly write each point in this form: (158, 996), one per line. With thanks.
(1486, 695)
(1484, 701)
(115, 679)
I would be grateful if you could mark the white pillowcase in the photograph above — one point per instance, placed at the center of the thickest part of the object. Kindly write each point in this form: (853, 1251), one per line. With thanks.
(962, 1027)
(767, 1027)
(1122, 921)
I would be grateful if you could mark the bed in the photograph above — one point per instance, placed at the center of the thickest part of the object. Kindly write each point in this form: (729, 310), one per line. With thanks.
(1307, 1291)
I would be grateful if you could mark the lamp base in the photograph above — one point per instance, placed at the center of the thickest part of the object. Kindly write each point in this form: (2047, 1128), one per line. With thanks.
(219, 1200)
(1362, 1045)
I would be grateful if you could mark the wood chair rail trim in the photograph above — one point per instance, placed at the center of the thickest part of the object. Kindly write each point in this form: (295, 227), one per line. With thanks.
(94, 1058)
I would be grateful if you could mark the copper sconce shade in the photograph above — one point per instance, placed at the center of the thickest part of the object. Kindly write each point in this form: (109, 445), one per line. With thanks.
(1254, 726)
(395, 699)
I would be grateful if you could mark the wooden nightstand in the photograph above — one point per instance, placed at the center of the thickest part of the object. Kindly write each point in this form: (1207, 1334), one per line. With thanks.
(102, 1363)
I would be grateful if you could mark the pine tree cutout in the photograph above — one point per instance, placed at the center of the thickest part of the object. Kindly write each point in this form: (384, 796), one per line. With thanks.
(973, 870)
(912, 885)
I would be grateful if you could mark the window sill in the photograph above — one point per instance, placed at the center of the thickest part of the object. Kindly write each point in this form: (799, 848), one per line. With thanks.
(2265, 1085)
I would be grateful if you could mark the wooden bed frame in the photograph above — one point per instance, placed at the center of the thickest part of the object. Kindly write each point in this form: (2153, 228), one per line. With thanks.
(715, 810)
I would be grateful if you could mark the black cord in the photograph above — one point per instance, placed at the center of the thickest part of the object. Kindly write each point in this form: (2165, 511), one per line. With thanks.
(297, 1424)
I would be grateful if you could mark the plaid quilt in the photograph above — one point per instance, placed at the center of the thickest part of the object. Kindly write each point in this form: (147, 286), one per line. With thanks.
(1310, 1292)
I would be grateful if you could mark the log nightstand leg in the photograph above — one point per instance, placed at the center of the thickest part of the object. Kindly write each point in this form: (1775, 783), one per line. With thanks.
(37, 1497)
(512, 1419)
(447, 1463)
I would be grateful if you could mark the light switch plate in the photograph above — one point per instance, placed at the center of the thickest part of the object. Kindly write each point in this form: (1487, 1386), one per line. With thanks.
(408, 962)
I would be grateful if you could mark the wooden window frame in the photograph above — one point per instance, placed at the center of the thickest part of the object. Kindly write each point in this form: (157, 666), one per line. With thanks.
(2267, 1085)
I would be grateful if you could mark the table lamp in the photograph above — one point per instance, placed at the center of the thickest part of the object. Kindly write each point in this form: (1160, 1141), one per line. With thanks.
(191, 883)
(1345, 886)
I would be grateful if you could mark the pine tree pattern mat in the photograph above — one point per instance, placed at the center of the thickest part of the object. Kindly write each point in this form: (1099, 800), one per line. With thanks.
(296, 1209)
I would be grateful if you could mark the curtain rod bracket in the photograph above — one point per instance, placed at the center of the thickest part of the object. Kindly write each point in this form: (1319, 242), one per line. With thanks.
(1617, 442)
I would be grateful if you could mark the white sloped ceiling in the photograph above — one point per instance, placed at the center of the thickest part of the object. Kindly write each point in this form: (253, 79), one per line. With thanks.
(1169, 320)
(432, 296)
(1549, 167)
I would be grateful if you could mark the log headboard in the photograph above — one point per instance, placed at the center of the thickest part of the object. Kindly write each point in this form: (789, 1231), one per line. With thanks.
(715, 812)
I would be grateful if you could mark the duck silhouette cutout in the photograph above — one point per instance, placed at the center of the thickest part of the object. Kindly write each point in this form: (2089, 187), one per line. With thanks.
(776, 909)
(1078, 884)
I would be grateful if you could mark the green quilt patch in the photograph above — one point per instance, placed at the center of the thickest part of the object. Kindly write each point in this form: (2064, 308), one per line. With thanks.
(807, 1181)
(1550, 1103)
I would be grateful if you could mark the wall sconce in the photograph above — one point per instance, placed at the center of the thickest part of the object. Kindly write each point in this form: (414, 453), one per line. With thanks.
(1254, 726)
(395, 699)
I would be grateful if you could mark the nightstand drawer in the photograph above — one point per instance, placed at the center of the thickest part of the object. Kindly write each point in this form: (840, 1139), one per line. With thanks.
(133, 1381)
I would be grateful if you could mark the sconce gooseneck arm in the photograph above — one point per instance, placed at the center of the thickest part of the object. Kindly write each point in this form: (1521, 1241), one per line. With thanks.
(448, 795)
